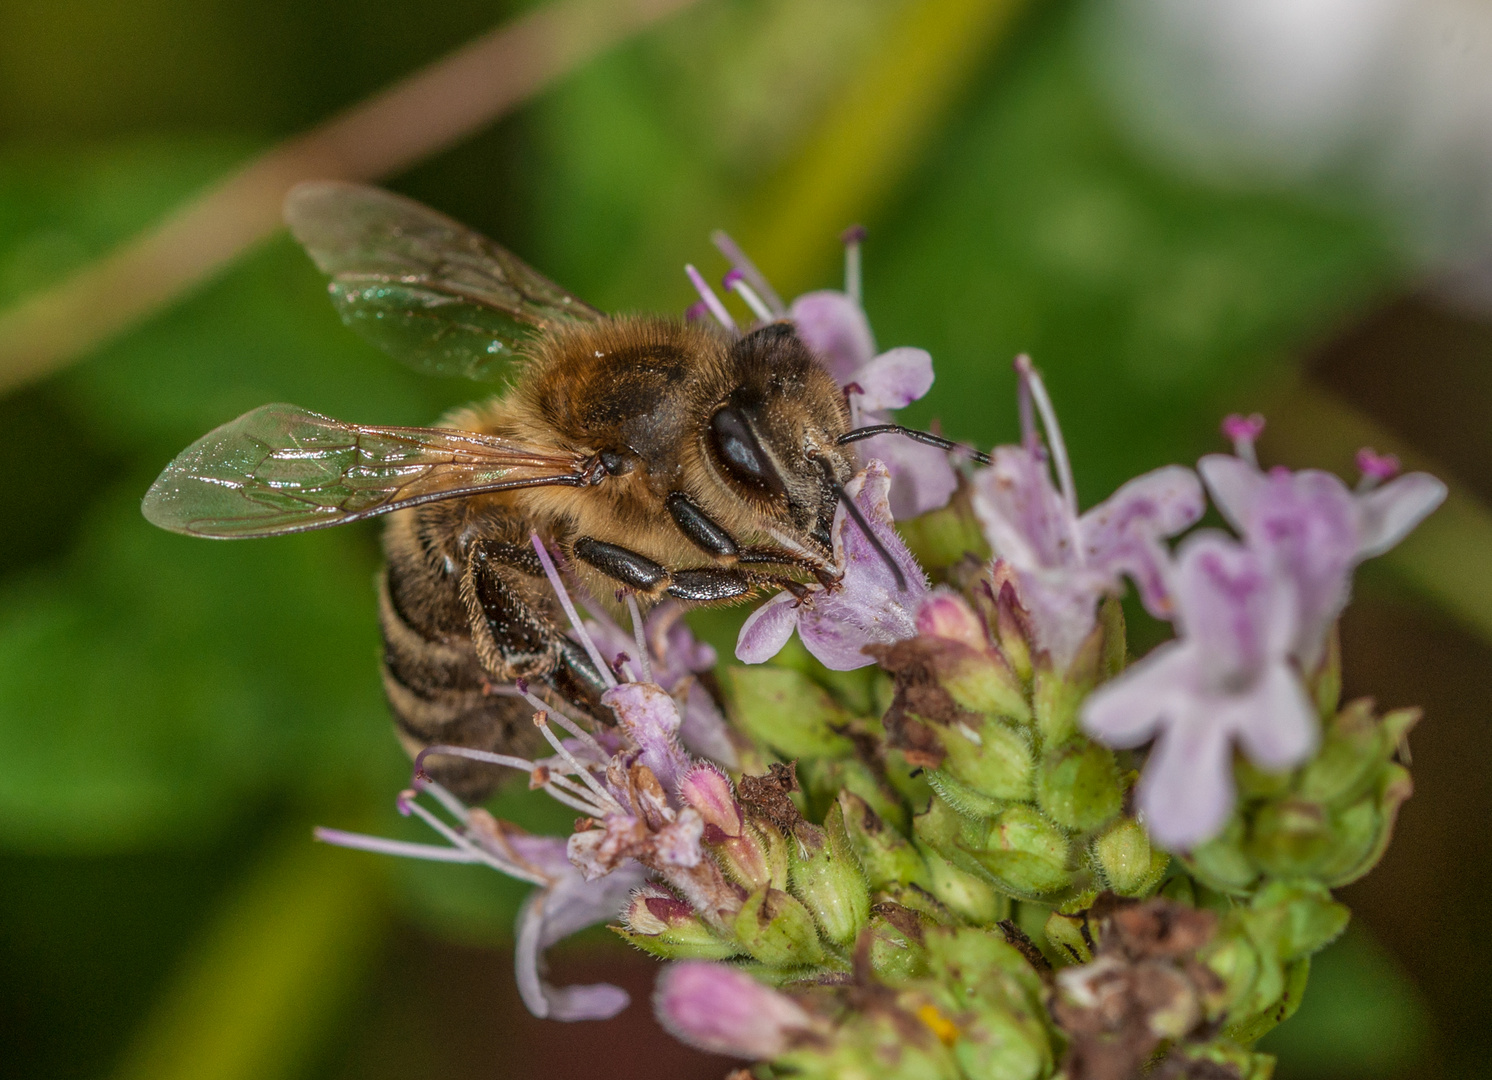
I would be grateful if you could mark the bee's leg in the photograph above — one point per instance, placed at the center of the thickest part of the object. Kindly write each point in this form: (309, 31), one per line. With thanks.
(707, 585)
(711, 538)
(514, 639)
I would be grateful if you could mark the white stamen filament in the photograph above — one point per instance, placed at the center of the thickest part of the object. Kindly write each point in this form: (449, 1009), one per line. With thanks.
(541, 721)
(558, 584)
(466, 844)
(754, 302)
(637, 633)
(382, 846)
(707, 294)
(754, 277)
(566, 722)
(1053, 431)
(1243, 447)
(852, 269)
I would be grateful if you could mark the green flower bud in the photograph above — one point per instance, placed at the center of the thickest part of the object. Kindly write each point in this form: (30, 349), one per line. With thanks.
(1078, 786)
(955, 878)
(886, 856)
(1363, 830)
(1123, 854)
(995, 996)
(1222, 1057)
(826, 876)
(659, 923)
(897, 950)
(961, 797)
(905, 1042)
(1289, 837)
(1222, 864)
(778, 930)
(983, 683)
(787, 711)
(1070, 934)
(1297, 918)
(1024, 853)
(990, 756)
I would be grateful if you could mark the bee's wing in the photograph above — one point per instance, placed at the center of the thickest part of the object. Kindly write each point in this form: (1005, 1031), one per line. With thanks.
(283, 469)
(426, 289)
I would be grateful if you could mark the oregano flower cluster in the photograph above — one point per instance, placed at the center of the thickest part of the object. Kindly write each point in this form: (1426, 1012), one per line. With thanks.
(954, 829)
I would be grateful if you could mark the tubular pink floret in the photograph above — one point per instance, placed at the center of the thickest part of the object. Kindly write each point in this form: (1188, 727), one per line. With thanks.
(707, 295)
(754, 277)
(558, 584)
(696, 311)
(1377, 467)
(1241, 431)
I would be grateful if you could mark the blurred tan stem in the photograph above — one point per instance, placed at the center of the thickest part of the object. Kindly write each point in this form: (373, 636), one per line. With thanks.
(397, 127)
(1449, 557)
(285, 954)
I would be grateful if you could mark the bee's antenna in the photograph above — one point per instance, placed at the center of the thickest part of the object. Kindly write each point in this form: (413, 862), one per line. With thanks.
(916, 436)
(864, 526)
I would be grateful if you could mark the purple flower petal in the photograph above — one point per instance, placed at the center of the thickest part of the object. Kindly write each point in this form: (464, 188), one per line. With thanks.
(922, 478)
(1389, 513)
(894, 379)
(1231, 608)
(1129, 711)
(703, 730)
(1186, 792)
(1124, 534)
(832, 325)
(1021, 511)
(767, 629)
(1234, 484)
(1277, 726)
(651, 718)
(717, 1008)
(569, 904)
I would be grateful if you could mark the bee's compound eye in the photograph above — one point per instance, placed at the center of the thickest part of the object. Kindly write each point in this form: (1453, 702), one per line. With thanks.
(740, 453)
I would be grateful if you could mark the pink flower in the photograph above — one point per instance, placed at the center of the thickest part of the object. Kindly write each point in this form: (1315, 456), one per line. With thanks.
(1228, 677)
(866, 606)
(725, 1011)
(1064, 562)
(1311, 528)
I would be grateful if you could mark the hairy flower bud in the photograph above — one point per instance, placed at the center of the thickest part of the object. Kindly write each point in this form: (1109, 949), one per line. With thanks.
(775, 928)
(1125, 857)
(1024, 853)
(659, 923)
(1078, 785)
(736, 844)
(827, 877)
(887, 857)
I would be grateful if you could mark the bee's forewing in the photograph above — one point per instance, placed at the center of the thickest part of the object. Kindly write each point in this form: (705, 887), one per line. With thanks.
(283, 469)
(426, 289)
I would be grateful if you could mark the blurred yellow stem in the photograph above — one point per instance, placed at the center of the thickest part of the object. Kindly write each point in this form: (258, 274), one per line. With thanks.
(256, 993)
(395, 128)
(871, 138)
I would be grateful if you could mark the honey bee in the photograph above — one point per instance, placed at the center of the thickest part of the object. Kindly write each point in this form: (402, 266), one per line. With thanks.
(655, 456)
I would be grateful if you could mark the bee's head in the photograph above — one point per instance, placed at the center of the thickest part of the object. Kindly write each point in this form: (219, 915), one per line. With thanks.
(774, 438)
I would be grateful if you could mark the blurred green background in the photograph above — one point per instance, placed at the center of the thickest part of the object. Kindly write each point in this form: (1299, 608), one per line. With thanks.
(175, 714)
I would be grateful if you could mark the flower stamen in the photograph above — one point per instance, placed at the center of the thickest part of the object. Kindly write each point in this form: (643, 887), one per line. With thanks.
(852, 238)
(643, 658)
(1242, 431)
(560, 591)
(709, 299)
(734, 281)
(754, 277)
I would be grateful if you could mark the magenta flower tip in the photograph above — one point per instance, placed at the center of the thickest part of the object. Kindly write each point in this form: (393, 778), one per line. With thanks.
(853, 235)
(1236, 426)
(696, 311)
(731, 277)
(1376, 466)
(405, 801)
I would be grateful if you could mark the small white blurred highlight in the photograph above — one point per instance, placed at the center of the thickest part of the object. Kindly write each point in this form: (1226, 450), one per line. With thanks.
(1384, 100)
